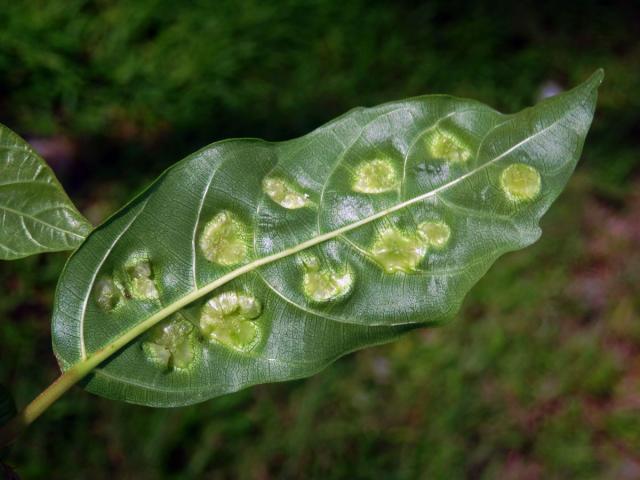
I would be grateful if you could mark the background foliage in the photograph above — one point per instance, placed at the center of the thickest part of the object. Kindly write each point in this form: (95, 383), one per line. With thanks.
(540, 375)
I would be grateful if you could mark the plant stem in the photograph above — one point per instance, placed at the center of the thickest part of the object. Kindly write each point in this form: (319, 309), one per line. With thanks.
(68, 379)
(43, 401)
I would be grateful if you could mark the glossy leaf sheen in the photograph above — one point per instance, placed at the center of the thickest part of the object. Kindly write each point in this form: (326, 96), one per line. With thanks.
(35, 213)
(444, 195)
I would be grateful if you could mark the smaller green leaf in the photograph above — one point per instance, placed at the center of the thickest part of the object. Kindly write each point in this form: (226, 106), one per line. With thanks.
(36, 215)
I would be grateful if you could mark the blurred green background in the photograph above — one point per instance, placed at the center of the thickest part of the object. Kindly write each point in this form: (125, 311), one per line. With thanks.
(538, 378)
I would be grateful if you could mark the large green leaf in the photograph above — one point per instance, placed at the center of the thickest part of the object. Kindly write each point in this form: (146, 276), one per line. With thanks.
(374, 224)
(35, 213)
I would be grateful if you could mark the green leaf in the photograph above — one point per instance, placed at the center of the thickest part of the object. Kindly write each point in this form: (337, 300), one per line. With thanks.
(252, 262)
(36, 214)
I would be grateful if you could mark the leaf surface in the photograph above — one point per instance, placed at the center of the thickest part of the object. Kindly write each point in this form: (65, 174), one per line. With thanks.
(36, 215)
(252, 262)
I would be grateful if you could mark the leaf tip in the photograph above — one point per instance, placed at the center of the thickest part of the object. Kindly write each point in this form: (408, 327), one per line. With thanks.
(596, 78)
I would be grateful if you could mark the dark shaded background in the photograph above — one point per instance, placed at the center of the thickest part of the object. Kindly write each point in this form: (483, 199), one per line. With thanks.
(539, 377)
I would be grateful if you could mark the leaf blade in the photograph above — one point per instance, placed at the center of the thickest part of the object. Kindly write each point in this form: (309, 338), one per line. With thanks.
(36, 214)
(299, 330)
